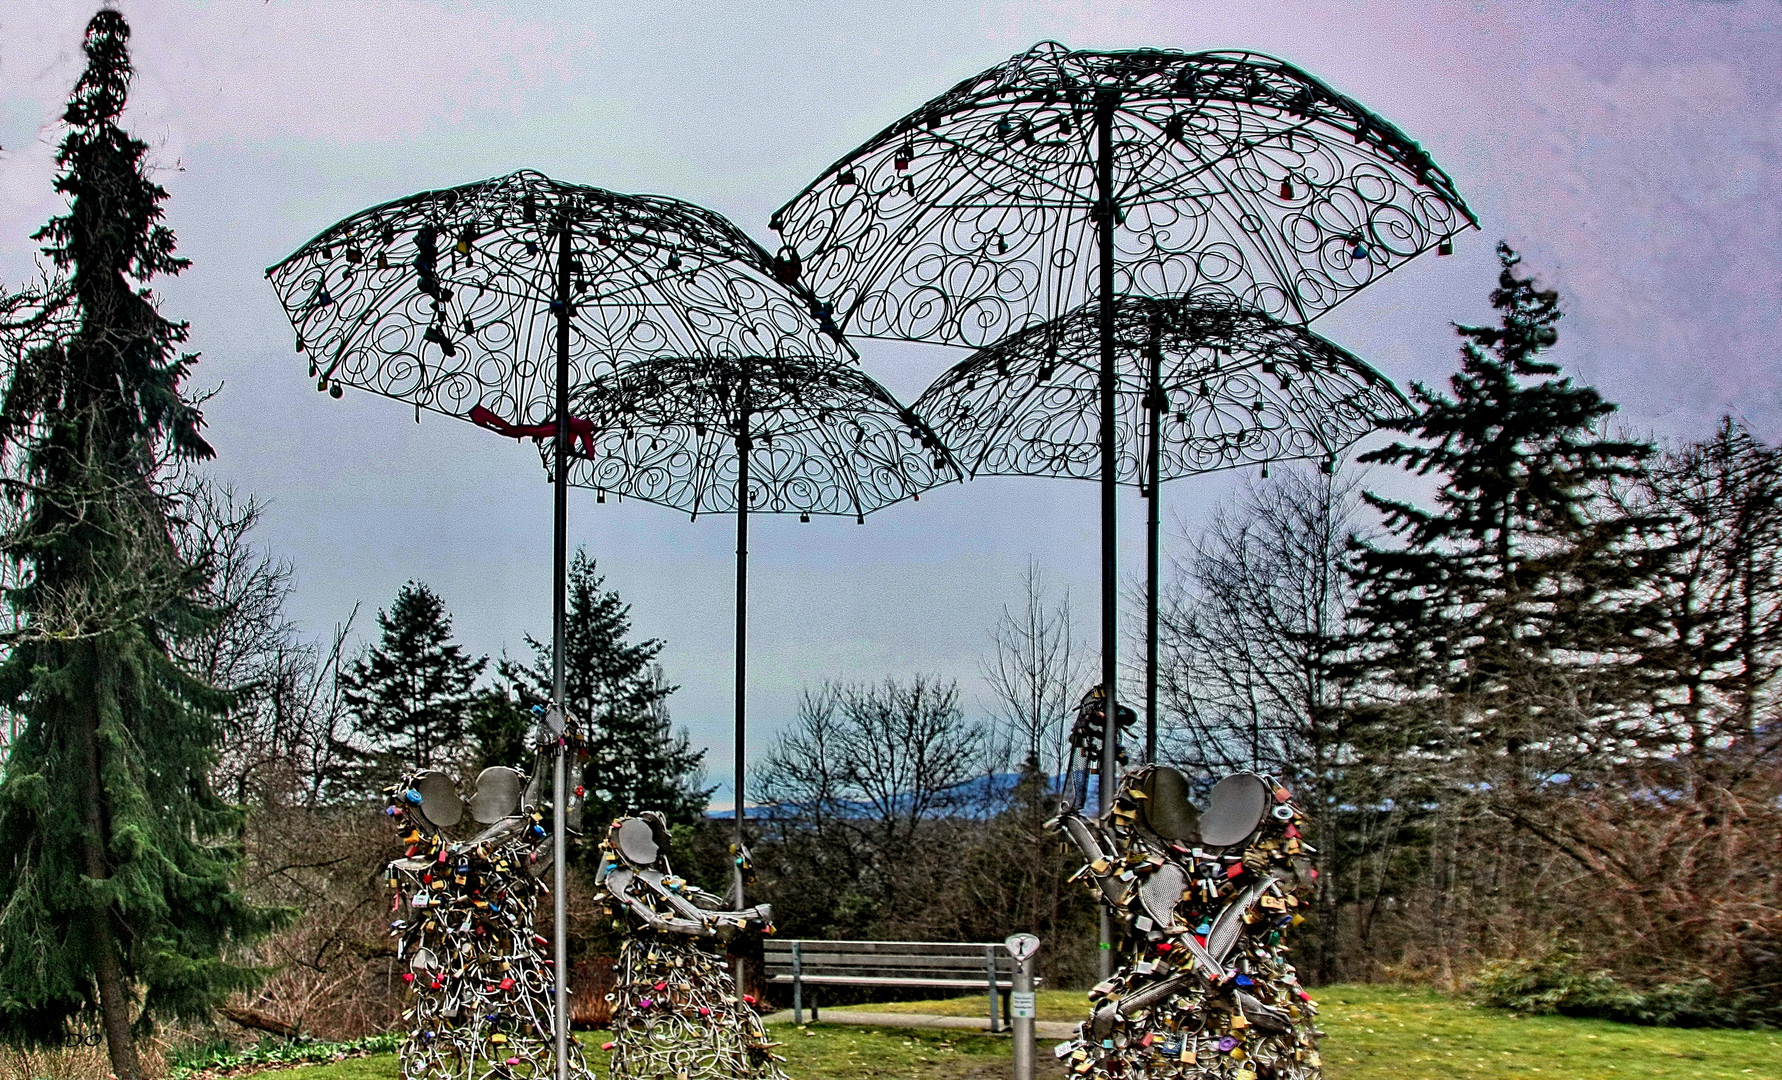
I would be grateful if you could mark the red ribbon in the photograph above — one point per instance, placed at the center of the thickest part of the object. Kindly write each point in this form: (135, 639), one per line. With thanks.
(581, 429)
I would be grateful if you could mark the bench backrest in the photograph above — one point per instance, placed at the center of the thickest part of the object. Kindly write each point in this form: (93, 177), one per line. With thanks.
(949, 960)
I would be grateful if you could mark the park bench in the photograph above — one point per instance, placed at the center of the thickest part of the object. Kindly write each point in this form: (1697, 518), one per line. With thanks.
(983, 966)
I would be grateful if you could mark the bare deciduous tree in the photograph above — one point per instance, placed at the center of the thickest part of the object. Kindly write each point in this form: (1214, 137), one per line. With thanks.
(1254, 623)
(863, 792)
(1034, 670)
(288, 719)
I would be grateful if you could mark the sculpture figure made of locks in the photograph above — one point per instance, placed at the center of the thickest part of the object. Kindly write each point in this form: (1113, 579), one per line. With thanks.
(467, 891)
(676, 1012)
(1203, 901)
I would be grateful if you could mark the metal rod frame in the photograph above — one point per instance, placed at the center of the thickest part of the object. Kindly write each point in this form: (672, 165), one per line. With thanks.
(742, 637)
(1110, 485)
(559, 600)
(1153, 512)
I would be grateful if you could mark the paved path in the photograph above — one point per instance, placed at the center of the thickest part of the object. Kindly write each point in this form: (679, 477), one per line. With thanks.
(1042, 1029)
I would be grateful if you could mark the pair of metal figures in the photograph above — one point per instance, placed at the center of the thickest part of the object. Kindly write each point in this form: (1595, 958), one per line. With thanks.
(480, 979)
(1202, 901)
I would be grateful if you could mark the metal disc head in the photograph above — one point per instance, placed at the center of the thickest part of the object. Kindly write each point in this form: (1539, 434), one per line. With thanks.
(1167, 811)
(497, 794)
(637, 841)
(1021, 946)
(1234, 810)
(441, 804)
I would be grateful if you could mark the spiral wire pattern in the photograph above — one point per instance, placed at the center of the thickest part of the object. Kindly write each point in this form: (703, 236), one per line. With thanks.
(447, 300)
(975, 216)
(1237, 387)
(821, 437)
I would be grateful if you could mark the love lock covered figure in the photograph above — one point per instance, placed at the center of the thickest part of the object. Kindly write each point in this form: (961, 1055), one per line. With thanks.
(1203, 901)
(479, 976)
(676, 1013)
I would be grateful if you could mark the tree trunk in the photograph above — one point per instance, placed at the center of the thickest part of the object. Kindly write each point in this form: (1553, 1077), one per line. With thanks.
(114, 997)
(262, 1021)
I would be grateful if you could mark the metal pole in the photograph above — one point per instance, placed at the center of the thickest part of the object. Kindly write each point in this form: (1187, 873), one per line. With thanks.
(797, 982)
(559, 595)
(1021, 1012)
(1104, 227)
(743, 446)
(990, 975)
(1153, 511)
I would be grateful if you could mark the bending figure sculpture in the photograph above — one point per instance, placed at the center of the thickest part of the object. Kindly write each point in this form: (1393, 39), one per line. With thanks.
(1203, 901)
(676, 1012)
(479, 976)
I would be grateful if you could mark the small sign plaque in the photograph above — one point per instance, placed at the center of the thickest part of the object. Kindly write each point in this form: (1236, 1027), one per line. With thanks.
(1021, 1005)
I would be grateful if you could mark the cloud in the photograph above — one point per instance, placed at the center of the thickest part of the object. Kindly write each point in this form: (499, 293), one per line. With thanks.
(1652, 184)
(340, 71)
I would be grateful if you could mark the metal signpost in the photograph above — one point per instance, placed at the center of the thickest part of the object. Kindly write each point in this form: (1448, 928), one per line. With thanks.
(1023, 947)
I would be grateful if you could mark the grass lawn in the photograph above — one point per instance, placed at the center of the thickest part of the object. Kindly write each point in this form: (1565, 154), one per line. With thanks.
(816, 1052)
(1375, 1033)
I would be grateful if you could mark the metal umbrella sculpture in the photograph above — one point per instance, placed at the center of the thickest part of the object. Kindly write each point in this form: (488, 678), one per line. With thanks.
(1200, 384)
(1060, 178)
(495, 301)
(742, 435)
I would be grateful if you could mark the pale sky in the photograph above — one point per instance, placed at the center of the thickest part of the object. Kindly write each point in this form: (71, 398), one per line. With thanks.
(1632, 150)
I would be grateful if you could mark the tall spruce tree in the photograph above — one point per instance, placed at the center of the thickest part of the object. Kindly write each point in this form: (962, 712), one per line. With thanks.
(1500, 626)
(117, 885)
(636, 761)
(413, 693)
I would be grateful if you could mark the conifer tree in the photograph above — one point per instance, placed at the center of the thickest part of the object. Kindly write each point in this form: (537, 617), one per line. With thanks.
(413, 692)
(1499, 625)
(637, 761)
(117, 883)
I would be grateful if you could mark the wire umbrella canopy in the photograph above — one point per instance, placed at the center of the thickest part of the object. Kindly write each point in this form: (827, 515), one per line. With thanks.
(981, 212)
(744, 435)
(497, 300)
(1064, 177)
(1201, 384)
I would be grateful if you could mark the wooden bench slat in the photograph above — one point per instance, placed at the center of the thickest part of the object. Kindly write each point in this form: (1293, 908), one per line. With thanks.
(874, 980)
(870, 945)
(894, 948)
(839, 960)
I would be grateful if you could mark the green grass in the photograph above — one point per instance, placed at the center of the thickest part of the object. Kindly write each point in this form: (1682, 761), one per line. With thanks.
(814, 1052)
(1374, 1033)
(1069, 1005)
(1380, 1033)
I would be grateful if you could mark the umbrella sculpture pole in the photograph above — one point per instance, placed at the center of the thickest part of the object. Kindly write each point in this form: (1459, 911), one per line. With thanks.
(1110, 614)
(559, 592)
(742, 634)
(1153, 510)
